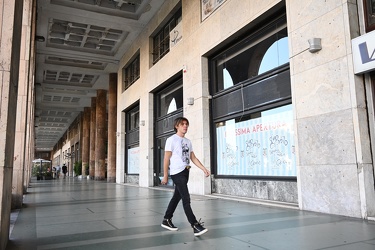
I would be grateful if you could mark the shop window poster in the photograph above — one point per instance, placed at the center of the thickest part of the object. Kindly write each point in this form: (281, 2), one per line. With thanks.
(258, 147)
(133, 160)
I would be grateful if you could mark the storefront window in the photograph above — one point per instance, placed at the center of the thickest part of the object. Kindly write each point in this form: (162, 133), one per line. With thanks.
(261, 145)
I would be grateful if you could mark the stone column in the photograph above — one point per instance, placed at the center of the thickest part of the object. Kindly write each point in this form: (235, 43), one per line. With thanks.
(100, 145)
(92, 138)
(112, 121)
(22, 109)
(29, 137)
(10, 35)
(86, 140)
(333, 152)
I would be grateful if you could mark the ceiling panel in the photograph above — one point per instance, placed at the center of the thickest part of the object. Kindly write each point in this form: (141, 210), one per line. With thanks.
(79, 43)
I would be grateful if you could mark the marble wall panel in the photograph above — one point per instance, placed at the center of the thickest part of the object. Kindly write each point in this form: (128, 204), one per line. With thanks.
(322, 89)
(283, 191)
(331, 29)
(306, 11)
(326, 139)
(366, 186)
(361, 132)
(132, 179)
(351, 15)
(235, 11)
(330, 189)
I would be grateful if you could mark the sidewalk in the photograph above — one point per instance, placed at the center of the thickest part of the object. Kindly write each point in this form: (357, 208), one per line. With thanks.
(84, 214)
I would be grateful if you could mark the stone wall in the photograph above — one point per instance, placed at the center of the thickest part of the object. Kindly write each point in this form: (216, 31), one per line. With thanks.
(282, 191)
(10, 34)
(333, 156)
(333, 143)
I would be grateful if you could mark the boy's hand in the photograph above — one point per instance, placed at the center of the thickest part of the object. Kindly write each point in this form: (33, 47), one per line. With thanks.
(165, 180)
(206, 172)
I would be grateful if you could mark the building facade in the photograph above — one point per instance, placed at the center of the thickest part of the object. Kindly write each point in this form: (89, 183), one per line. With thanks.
(279, 95)
(276, 111)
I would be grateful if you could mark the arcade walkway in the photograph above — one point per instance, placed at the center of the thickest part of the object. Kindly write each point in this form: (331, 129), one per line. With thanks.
(84, 214)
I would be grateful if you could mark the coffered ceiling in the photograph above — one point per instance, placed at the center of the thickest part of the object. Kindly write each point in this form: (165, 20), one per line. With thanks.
(79, 42)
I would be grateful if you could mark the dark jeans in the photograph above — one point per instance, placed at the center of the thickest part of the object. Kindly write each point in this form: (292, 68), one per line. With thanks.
(181, 192)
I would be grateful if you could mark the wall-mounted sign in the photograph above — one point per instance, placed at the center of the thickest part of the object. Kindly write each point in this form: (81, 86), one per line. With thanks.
(209, 6)
(364, 53)
(175, 35)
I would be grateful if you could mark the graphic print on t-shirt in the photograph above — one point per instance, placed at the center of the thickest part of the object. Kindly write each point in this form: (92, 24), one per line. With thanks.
(185, 152)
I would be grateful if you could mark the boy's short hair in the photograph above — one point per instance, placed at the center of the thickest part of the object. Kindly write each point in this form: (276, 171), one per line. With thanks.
(178, 121)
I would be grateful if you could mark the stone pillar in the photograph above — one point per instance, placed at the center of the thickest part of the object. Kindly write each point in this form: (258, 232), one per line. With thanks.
(100, 144)
(29, 138)
(112, 121)
(92, 138)
(22, 110)
(10, 35)
(333, 153)
(86, 140)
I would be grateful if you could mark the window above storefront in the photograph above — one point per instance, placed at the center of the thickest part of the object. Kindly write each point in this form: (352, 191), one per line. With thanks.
(133, 119)
(161, 40)
(170, 100)
(131, 72)
(258, 54)
(369, 6)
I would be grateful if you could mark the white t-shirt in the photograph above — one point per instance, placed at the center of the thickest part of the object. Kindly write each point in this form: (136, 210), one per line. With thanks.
(181, 149)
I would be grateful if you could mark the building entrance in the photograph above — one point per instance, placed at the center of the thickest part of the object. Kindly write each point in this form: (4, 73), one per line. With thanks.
(132, 144)
(169, 106)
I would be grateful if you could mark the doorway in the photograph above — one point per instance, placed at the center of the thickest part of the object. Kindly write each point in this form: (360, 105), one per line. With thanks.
(132, 149)
(169, 106)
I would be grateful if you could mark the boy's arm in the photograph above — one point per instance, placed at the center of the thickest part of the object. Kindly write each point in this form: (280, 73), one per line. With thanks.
(167, 157)
(196, 161)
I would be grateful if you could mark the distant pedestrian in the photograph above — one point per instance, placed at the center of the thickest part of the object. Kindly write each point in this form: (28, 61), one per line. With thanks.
(178, 152)
(57, 171)
(64, 170)
(54, 172)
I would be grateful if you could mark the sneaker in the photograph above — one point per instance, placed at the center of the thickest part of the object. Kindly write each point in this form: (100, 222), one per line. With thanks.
(167, 223)
(198, 228)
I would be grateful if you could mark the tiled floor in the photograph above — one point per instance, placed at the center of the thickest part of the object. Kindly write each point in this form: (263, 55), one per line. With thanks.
(83, 214)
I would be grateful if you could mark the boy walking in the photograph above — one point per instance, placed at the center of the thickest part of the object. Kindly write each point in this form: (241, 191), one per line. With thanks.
(177, 156)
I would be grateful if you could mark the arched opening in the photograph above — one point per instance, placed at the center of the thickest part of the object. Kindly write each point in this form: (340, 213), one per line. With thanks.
(275, 56)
